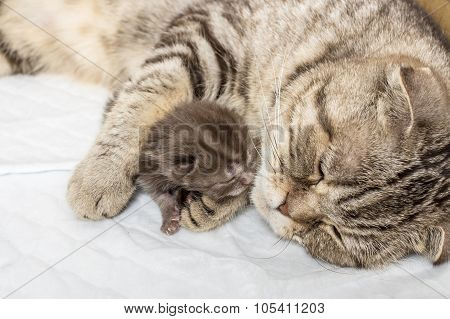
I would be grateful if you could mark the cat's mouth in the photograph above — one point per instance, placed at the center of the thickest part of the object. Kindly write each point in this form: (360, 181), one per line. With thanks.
(267, 199)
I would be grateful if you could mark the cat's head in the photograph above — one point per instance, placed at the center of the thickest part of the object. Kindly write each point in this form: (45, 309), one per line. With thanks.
(360, 175)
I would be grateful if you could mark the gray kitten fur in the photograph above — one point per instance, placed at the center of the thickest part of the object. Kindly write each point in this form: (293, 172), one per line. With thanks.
(198, 148)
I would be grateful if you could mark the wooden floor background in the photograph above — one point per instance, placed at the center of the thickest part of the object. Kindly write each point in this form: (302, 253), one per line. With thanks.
(440, 11)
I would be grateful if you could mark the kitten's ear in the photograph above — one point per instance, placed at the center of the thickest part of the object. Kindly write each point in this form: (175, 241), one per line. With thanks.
(422, 92)
(433, 244)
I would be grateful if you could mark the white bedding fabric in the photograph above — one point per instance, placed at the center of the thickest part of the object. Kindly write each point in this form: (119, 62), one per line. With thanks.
(46, 126)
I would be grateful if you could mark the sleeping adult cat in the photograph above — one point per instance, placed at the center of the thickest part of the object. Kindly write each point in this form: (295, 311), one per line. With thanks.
(359, 173)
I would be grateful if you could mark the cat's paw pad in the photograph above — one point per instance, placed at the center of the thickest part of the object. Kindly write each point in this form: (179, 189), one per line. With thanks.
(99, 190)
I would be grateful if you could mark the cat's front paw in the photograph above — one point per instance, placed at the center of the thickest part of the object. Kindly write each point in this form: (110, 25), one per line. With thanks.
(99, 189)
(199, 213)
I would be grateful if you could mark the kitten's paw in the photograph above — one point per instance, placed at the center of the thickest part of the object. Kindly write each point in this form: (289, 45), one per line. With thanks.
(99, 189)
(171, 225)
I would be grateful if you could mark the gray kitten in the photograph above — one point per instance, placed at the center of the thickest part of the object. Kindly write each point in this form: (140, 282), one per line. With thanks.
(200, 148)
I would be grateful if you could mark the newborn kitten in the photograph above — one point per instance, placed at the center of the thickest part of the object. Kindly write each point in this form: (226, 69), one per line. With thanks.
(200, 147)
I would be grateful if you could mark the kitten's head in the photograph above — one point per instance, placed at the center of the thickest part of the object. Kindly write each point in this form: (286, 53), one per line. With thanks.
(205, 148)
(215, 160)
(361, 175)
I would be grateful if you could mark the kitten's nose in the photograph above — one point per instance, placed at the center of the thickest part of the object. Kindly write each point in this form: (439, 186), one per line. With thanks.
(233, 169)
(246, 179)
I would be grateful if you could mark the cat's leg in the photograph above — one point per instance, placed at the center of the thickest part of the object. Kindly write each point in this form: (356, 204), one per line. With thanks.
(183, 66)
(11, 60)
(203, 214)
(103, 182)
(5, 68)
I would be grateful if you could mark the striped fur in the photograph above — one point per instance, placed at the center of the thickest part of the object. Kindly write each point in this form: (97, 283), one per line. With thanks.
(339, 79)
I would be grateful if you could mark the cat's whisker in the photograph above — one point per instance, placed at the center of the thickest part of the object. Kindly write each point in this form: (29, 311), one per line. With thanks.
(276, 255)
(278, 88)
(329, 269)
(284, 249)
(277, 106)
(280, 83)
(280, 239)
(272, 143)
(265, 122)
(271, 137)
(277, 91)
(266, 109)
(260, 156)
(282, 69)
(277, 112)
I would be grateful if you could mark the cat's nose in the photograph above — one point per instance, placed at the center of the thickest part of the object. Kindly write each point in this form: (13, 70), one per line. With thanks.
(284, 208)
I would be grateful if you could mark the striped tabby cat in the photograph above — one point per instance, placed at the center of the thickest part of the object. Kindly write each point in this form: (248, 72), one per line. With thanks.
(357, 170)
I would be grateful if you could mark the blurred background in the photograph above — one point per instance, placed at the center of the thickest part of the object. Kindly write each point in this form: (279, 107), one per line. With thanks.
(440, 11)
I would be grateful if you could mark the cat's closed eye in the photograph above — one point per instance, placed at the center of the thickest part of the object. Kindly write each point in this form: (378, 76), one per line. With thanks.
(315, 178)
(320, 168)
(336, 233)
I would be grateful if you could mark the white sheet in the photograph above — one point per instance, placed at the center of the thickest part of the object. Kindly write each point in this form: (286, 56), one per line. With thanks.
(46, 126)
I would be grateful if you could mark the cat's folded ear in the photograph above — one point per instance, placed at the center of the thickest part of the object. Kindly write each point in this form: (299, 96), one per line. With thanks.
(434, 244)
(422, 95)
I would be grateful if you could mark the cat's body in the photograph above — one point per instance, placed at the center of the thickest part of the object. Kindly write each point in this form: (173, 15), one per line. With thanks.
(198, 148)
(360, 89)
